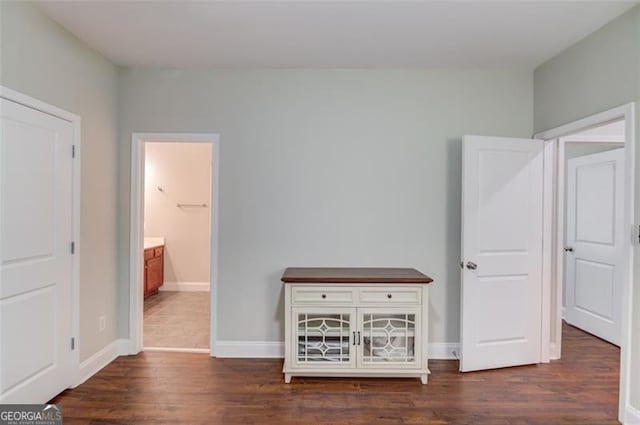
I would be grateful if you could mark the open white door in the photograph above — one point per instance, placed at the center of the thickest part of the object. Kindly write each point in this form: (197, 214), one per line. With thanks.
(502, 218)
(595, 249)
(35, 256)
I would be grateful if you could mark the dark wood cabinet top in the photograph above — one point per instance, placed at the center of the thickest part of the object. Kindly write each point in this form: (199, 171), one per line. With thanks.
(353, 275)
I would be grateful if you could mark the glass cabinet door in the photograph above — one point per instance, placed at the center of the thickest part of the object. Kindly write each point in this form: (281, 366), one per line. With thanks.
(390, 336)
(324, 337)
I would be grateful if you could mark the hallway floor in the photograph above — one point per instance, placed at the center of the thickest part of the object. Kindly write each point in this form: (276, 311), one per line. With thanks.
(177, 320)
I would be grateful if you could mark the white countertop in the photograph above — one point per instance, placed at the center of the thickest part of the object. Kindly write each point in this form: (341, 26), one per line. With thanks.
(152, 242)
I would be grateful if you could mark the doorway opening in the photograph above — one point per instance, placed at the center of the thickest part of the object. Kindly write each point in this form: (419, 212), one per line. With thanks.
(177, 234)
(588, 250)
(174, 212)
(593, 254)
(593, 167)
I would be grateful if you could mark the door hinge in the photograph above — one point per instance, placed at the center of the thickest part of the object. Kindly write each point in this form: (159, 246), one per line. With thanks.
(73, 343)
(73, 151)
(73, 247)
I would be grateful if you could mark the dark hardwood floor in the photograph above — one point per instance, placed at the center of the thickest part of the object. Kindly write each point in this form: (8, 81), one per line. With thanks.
(177, 388)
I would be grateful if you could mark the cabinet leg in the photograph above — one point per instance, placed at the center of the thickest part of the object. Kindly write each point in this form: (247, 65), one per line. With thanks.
(424, 378)
(287, 378)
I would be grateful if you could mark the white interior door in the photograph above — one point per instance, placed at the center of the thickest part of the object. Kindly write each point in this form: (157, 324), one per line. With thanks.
(35, 257)
(594, 252)
(502, 212)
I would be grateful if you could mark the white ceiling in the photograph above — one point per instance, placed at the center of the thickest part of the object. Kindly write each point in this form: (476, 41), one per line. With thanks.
(350, 34)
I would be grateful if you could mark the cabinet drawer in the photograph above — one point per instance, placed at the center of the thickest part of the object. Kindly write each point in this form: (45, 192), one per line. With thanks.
(390, 295)
(148, 253)
(327, 295)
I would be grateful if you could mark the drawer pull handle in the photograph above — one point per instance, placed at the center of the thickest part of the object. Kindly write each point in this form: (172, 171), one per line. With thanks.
(354, 337)
(324, 296)
(389, 296)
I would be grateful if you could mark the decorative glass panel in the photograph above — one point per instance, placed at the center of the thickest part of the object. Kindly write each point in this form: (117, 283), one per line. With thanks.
(388, 337)
(323, 337)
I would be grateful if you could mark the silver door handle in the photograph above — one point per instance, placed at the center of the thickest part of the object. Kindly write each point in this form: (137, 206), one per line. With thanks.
(471, 265)
(568, 249)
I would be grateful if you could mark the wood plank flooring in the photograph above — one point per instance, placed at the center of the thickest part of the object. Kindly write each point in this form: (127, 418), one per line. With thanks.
(181, 388)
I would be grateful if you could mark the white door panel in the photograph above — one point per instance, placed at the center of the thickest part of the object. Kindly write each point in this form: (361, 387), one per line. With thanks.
(28, 236)
(595, 203)
(502, 235)
(35, 258)
(18, 350)
(594, 293)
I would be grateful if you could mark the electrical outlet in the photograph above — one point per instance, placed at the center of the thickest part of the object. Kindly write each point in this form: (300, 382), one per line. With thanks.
(102, 323)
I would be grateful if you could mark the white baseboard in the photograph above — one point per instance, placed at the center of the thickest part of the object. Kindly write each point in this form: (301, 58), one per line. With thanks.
(632, 416)
(250, 349)
(89, 367)
(275, 349)
(444, 350)
(554, 352)
(186, 286)
(175, 350)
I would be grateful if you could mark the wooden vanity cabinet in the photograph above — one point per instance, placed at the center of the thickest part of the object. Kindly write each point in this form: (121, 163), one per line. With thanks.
(153, 270)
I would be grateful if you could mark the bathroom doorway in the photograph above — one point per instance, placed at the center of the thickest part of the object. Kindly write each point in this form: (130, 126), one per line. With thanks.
(174, 242)
(177, 206)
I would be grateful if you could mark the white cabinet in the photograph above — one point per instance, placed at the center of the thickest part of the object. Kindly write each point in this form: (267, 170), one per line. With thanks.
(356, 329)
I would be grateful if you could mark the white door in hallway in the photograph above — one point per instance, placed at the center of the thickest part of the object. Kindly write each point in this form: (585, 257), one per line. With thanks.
(35, 257)
(502, 218)
(594, 251)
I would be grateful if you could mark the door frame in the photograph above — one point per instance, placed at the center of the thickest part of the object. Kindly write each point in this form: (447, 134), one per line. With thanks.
(553, 266)
(136, 233)
(76, 124)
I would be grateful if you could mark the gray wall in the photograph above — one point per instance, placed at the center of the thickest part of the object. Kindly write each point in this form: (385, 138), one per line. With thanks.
(598, 73)
(41, 59)
(327, 168)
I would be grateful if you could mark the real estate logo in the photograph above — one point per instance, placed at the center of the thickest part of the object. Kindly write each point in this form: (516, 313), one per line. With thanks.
(30, 414)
